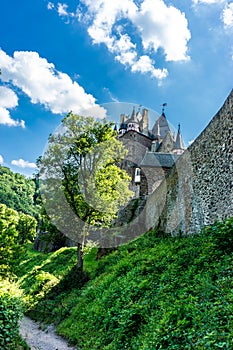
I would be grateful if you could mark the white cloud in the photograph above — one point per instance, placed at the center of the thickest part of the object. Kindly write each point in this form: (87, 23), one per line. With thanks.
(156, 25)
(165, 27)
(196, 2)
(1, 159)
(226, 8)
(8, 99)
(145, 65)
(6, 119)
(50, 6)
(62, 9)
(227, 15)
(103, 14)
(23, 164)
(43, 84)
(127, 58)
(113, 98)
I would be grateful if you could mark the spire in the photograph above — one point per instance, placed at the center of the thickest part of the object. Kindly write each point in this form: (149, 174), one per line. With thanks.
(133, 115)
(163, 125)
(138, 114)
(115, 127)
(179, 144)
(157, 132)
(163, 109)
(144, 123)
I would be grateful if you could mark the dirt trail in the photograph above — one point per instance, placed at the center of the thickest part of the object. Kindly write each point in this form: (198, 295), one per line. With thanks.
(42, 340)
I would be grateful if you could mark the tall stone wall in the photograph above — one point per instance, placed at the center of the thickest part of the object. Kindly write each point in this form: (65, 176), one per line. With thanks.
(198, 190)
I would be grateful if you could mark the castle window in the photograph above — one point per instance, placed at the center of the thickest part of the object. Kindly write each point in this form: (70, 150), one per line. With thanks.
(137, 176)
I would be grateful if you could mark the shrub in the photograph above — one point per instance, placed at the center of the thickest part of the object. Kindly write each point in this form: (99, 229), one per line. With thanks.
(15, 230)
(11, 312)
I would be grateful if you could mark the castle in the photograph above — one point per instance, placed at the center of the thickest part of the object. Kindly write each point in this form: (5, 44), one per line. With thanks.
(151, 152)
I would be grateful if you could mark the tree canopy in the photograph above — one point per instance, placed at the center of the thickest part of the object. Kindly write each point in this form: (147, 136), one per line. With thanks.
(16, 229)
(82, 182)
(17, 192)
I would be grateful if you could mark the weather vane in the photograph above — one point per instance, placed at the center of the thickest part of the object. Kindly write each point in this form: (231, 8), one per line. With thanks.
(163, 105)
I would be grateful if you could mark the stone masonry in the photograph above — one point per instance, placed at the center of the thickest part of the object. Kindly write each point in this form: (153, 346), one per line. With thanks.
(198, 190)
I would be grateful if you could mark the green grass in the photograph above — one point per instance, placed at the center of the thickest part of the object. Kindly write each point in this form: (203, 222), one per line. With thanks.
(153, 293)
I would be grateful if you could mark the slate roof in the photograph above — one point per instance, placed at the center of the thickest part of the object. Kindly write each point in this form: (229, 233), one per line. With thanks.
(165, 160)
(163, 126)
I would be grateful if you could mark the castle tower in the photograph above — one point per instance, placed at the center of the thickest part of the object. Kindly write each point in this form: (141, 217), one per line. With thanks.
(166, 146)
(122, 118)
(132, 123)
(145, 121)
(157, 132)
(178, 147)
(162, 125)
(139, 116)
(150, 153)
(123, 124)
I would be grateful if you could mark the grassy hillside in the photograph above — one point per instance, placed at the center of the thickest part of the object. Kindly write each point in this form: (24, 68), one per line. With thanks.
(154, 293)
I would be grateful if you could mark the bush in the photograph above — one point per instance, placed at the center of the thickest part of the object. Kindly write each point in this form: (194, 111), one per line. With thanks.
(222, 235)
(15, 230)
(11, 312)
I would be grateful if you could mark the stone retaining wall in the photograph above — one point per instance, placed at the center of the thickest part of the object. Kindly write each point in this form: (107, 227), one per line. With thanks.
(198, 190)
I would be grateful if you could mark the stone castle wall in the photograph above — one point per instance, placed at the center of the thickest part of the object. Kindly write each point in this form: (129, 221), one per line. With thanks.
(198, 190)
(137, 145)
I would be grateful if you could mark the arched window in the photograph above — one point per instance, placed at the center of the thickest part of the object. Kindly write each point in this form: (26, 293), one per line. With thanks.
(137, 176)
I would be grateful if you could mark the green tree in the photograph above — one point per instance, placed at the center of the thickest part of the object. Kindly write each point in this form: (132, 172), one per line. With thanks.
(15, 229)
(8, 238)
(26, 228)
(17, 192)
(81, 167)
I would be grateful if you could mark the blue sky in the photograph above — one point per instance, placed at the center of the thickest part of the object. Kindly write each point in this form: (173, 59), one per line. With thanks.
(79, 55)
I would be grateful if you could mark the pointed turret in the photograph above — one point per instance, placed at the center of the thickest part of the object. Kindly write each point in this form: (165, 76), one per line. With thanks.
(178, 147)
(167, 143)
(133, 115)
(123, 124)
(157, 132)
(163, 126)
(132, 122)
(145, 121)
(122, 118)
(139, 115)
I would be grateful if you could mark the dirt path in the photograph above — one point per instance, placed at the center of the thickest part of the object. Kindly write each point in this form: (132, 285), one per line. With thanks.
(42, 340)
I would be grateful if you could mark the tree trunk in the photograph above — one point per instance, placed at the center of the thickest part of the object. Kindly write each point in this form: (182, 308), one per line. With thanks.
(80, 257)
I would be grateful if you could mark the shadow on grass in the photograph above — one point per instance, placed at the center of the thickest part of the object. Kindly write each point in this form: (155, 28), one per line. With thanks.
(57, 304)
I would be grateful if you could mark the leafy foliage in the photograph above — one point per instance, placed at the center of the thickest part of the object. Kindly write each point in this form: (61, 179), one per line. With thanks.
(11, 311)
(83, 159)
(17, 192)
(153, 293)
(82, 184)
(26, 228)
(174, 294)
(15, 229)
